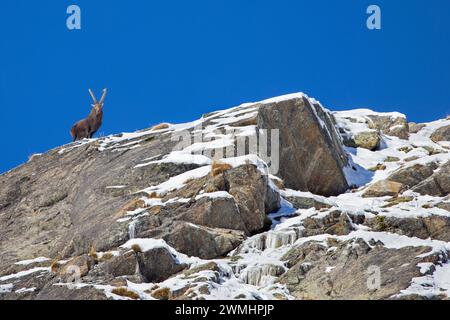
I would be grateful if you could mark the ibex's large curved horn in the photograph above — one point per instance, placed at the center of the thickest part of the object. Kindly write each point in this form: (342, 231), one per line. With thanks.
(93, 96)
(103, 97)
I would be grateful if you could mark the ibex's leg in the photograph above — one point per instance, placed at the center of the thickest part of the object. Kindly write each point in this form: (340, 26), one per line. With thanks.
(86, 134)
(73, 134)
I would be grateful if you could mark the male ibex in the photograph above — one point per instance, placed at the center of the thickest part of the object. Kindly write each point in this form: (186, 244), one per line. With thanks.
(86, 128)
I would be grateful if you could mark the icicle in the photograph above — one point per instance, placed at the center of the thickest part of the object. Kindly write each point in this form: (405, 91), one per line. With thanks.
(277, 239)
(132, 229)
(261, 275)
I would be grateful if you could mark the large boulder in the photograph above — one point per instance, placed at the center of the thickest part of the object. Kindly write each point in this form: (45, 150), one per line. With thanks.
(238, 198)
(122, 265)
(413, 175)
(383, 188)
(300, 202)
(436, 185)
(368, 140)
(334, 223)
(218, 212)
(220, 209)
(311, 154)
(444, 206)
(202, 242)
(433, 226)
(390, 125)
(158, 264)
(254, 197)
(441, 134)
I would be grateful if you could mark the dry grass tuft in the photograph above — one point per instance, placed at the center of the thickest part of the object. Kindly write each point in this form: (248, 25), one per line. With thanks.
(132, 205)
(93, 253)
(153, 195)
(107, 256)
(397, 200)
(160, 126)
(136, 248)
(279, 183)
(210, 189)
(332, 242)
(378, 167)
(124, 292)
(391, 159)
(411, 159)
(155, 210)
(380, 222)
(405, 149)
(219, 168)
(161, 294)
(55, 267)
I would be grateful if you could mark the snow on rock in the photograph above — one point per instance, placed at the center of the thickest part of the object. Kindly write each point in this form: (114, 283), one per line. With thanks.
(25, 290)
(23, 273)
(395, 241)
(215, 195)
(149, 244)
(180, 157)
(361, 114)
(179, 181)
(4, 288)
(252, 270)
(431, 285)
(31, 261)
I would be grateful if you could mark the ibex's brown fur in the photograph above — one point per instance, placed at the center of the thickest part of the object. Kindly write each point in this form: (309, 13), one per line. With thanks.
(86, 128)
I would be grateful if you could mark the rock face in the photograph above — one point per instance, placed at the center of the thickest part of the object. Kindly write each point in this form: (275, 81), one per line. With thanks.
(63, 204)
(383, 188)
(84, 264)
(176, 212)
(413, 175)
(63, 293)
(335, 223)
(389, 125)
(416, 127)
(434, 227)
(217, 213)
(306, 203)
(437, 184)
(311, 155)
(205, 243)
(67, 201)
(318, 273)
(158, 264)
(442, 134)
(122, 265)
(368, 140)
(418, 177)
(237, 206)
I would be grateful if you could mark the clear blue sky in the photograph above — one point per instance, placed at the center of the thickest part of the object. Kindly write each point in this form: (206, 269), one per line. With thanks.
(174, 60)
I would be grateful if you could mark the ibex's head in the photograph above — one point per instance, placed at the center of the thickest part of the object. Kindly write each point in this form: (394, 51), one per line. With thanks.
(97, 107)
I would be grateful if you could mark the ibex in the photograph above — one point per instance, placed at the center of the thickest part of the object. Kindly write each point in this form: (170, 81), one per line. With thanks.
(86, 128)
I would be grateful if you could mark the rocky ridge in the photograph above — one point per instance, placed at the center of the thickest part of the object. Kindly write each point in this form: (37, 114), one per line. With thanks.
(196, 211)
